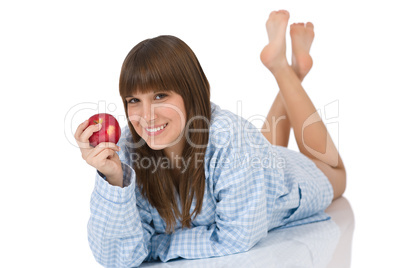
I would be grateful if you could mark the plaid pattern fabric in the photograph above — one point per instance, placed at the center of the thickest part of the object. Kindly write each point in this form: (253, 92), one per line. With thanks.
(251, 188)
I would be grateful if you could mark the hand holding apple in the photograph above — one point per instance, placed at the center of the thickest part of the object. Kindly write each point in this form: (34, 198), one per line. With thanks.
(103, 157)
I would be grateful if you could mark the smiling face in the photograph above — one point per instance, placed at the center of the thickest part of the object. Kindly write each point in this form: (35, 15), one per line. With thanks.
(163, 87)
(159, 117)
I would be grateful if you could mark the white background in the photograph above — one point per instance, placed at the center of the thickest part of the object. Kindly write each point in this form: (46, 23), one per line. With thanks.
(60, 63)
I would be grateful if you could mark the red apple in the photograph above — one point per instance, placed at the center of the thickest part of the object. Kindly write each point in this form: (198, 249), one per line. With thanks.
(109, 132)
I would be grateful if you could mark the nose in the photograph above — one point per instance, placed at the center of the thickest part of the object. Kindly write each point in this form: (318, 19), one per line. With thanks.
(149, 112)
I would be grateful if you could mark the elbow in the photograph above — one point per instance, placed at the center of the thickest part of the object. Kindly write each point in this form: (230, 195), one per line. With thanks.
(114, 253)
(249, 240)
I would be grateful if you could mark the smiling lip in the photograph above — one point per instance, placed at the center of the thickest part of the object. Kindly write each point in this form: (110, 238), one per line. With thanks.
(156, 132)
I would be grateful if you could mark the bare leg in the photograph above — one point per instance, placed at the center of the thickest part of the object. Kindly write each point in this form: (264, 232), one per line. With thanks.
(310, 132)
(276, 127)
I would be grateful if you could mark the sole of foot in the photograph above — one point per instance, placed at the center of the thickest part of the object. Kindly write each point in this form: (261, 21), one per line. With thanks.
(302, 36)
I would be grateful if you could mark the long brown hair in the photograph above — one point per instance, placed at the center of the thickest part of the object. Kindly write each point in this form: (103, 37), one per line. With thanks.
(166, 63)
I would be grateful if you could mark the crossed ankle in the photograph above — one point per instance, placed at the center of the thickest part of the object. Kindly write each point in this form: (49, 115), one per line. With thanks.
(280, 68)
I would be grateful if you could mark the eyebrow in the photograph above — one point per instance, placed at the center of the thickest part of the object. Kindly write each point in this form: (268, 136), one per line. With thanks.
(154, 92)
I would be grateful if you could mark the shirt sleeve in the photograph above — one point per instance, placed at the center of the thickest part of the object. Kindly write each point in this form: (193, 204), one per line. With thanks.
(119, 228)
(240, 217)
(118, 236)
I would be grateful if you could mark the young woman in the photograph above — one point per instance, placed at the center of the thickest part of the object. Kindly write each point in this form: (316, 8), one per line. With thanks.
(191, 180)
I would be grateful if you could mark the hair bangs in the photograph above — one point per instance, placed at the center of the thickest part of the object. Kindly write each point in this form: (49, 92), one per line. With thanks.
(146, 68)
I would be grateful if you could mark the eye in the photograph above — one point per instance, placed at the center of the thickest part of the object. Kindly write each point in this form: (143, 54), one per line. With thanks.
(160, 96)
(132, 100)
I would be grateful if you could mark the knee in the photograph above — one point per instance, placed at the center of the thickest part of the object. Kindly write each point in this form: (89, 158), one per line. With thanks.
(339, 183)
(335, 175)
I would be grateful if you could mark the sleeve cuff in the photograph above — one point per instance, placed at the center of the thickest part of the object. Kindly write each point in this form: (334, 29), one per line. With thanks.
(113, 193)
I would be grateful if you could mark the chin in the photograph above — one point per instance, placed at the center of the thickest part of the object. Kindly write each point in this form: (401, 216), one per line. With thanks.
(156, 147)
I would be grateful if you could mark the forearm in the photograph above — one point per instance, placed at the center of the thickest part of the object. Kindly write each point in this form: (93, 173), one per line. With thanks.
(203, 242)
(115, 231)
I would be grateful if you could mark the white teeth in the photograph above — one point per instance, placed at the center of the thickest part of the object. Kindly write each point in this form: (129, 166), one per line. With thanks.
(156, 129)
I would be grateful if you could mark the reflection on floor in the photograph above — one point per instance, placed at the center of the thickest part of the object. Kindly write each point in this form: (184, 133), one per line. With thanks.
(321, 244)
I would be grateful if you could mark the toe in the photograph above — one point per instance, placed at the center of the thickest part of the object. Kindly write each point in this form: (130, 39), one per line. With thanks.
(278, 16)
(298, 25)
(284, 12)
(309, 25)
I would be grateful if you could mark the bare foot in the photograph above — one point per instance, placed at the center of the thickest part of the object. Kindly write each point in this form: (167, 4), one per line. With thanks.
(302, 37)
(273, 55)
